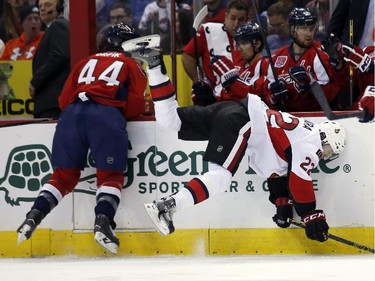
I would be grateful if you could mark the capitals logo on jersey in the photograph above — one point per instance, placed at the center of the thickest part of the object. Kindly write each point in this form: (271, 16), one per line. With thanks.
(281, 61)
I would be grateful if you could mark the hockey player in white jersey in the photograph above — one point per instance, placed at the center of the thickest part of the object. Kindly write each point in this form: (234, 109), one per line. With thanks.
(281, 147)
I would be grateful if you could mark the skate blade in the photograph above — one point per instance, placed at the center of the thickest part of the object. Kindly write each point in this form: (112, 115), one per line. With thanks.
(22, 234)
(153, 213)
(106, 243)
(148, 41)
(21, 238)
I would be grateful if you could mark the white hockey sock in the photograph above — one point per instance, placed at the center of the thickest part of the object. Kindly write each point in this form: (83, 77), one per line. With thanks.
(183, 199)
(166, 114)
(216, 181)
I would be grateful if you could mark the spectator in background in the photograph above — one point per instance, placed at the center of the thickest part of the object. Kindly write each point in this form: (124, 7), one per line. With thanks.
(278, 37)
(122, 13)
(214, 39)
(156, 20)
(216, 10)
(361, 13)
(51, 63)
(118, 13)
(10, 23)
(102, 12)
(320, 8)
(25, 46)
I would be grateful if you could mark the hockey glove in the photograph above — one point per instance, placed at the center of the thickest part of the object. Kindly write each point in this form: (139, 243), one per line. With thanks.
(333, 47)
(316, 227)
(367, 104)
(357, 58)
(284, 212)
(300, 77)
(279, 91)
(224, 68)
(202, 93)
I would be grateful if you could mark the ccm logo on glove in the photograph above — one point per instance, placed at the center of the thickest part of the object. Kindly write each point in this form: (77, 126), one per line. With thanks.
(314, 216)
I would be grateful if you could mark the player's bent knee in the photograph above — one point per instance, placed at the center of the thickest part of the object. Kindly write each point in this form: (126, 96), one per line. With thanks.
(219, 179)
(166, 114)
(65, 180)
(110, 178)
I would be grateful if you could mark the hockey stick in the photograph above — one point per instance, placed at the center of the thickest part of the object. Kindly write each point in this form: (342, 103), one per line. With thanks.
(319, 95)
(321, 98)
(28, 122)
(264, 37)
(197, 21)
(268, 50)
(350, 67)
(339, 239)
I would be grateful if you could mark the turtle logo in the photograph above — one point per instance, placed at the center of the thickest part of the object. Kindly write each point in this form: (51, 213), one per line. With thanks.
(27, 169)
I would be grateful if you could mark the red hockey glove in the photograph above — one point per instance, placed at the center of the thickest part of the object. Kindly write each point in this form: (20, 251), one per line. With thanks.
(333, 47)
(224, 68)
(202, 93)
(300, 77)
(357, 58)
(284, 212)
(316, 225)
(279, 91)
(367, 104)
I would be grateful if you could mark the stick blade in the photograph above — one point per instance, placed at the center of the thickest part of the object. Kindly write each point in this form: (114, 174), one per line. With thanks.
(319, 95)
(199, 17)
(149, 41)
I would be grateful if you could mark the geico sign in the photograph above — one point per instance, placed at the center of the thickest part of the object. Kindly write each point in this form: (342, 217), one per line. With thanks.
(16, 107)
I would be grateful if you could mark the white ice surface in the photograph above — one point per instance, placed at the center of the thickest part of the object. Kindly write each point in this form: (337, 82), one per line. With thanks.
(212, 268)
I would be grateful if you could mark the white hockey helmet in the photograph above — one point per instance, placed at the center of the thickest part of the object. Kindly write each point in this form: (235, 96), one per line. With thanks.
(333, 133)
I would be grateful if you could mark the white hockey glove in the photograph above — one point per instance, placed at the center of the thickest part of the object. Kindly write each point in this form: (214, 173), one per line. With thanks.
(225, 69)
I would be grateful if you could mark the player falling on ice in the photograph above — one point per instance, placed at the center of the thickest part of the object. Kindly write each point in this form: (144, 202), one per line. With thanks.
(280, 147)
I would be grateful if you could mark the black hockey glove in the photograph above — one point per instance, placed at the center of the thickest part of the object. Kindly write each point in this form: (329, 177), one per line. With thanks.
(300, 77)
(333, 47)
(202, 93)
(279, 91)
(284, 212)
(225, 69)
(316, 225)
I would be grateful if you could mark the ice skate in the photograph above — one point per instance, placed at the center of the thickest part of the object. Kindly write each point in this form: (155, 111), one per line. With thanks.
(161, 213)
(152, 56)
(105, 235)
(33, 219)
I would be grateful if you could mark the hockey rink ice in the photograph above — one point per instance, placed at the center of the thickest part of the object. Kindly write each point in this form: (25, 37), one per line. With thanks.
(172, 268)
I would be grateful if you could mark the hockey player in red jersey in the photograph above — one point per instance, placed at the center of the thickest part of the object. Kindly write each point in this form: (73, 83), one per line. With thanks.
(301, 59)
(360, 61)
(251, 71)
(279, 146)
(213, 39)
(102, 92)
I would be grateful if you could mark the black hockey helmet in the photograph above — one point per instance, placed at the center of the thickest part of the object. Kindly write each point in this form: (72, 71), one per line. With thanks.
(301, 16)
(119, 33)
(248, 32)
